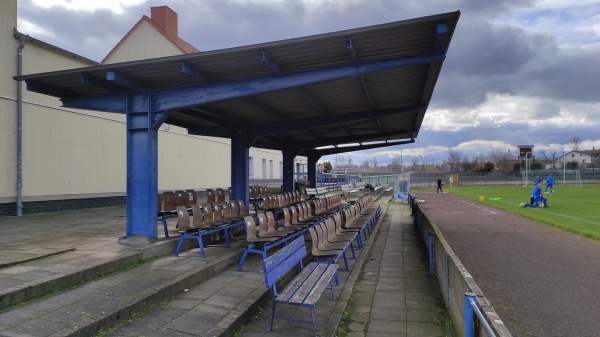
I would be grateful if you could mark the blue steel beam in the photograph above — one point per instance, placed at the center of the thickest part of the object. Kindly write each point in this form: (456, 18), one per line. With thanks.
(311, 122)
(441, 36)
(351, 51)
(122, 80)
(177, 98)
(195, 73)
(268, 61)
(312, 143)
(100, 83)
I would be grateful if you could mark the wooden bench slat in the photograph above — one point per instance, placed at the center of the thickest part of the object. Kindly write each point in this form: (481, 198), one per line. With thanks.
(311, 279)
(296, 284)
(324, 280)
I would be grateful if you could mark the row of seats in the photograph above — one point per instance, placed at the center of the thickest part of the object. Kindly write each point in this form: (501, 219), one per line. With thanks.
(257, 192)
(295, 220)
(332, 237)
(281, 200)
(209, 218)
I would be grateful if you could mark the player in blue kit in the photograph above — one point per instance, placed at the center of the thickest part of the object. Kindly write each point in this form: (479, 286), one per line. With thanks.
(536, 197)
(549, 184)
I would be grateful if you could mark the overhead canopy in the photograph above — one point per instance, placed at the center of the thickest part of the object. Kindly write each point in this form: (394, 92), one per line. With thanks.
(364, 85)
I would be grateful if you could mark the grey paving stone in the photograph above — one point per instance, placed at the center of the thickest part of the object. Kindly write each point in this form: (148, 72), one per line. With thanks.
(388, 315)
(191, 324)
(34, 328)
(210, 311)
(385, 334)
(427, 316)
(197, 294)
(389, 304)
(399, 287)
(223, 301)
(171, 333)
(376, 325)
(182, 303)
(236, 291)
(150, 323)
(70, 314)
(363, 298)
(424, 329)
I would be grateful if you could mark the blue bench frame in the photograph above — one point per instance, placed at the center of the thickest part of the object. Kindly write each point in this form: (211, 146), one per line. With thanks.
(305, 289)
(200, 233)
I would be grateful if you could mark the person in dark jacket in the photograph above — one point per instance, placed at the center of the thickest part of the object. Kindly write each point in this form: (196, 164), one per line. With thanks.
(439, 183)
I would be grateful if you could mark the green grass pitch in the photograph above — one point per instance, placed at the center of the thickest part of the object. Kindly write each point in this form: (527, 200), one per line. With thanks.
(573, 209)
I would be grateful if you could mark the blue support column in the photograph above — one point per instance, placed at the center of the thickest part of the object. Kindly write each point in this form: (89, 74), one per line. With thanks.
(289, 154)
(142, 179)
(312, 159)
(240, 152)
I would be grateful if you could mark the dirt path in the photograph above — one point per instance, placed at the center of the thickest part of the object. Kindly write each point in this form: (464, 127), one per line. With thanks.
(541, 281)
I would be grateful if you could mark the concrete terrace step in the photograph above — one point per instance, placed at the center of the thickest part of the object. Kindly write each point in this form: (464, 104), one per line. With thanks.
(102, 303)
(23, 281)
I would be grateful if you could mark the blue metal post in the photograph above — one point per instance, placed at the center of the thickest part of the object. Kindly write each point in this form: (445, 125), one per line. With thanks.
(289, 153)
(468, 314)
(240, 152)
(431, 252)
(311, 159)
(142, 181)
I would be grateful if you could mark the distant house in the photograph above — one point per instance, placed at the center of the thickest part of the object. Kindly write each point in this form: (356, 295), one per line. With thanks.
(584, 158)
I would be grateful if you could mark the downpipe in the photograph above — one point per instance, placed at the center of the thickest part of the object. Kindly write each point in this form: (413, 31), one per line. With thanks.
(22, 39)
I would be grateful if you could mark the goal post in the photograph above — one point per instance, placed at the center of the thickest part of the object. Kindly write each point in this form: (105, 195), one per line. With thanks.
(561, 177)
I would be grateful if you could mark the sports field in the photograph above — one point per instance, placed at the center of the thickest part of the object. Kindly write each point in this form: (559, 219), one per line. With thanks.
(573, 209)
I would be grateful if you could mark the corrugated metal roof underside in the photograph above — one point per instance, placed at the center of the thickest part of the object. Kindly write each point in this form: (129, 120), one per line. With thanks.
(403, 87)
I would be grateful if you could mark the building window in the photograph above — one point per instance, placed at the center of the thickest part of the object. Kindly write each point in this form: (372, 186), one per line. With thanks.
(264, 168)
(280, 169)
(270, 169)
(251, 167)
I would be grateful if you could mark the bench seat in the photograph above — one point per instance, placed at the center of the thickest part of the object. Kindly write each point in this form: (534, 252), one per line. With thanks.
(306, 287)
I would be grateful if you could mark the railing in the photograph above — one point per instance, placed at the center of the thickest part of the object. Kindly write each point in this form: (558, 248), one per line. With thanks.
(332, 181)
(470, 305)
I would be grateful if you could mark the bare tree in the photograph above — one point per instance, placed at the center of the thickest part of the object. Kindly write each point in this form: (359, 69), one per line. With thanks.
(366, 164)
(454, 158)
(395, 165)
(497, 155)
(374, 163)
(575, 142)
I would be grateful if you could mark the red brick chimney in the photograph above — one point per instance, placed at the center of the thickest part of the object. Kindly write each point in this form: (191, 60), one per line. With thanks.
(166, 19)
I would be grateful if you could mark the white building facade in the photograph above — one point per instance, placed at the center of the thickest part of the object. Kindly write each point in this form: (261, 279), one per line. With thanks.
(77, 158)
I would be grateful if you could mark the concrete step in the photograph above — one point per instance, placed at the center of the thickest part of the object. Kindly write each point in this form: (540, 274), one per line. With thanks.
(54, 271)
(102, 303)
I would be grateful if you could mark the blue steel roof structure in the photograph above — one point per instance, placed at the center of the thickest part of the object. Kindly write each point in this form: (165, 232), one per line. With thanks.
(369, 87)
(370, 84)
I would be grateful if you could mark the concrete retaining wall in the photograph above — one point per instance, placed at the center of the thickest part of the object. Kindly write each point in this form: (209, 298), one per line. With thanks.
(453, 278)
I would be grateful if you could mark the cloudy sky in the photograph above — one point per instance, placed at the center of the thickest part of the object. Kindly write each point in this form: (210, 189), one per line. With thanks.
(517, 72)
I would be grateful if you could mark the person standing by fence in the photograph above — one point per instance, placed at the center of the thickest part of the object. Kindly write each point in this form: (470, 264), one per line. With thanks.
(439, 186)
